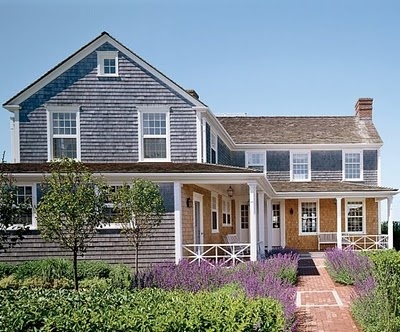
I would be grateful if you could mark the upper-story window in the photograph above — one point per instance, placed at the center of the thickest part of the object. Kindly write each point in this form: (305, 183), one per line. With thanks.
(214, 147)
(352, 165)
(300, 166)
(355, 216)
(63, 133)
(255, 160)
(107, 63)
(155, 136)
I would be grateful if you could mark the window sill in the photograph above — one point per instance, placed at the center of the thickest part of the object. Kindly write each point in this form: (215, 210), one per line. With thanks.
(227, 225)
(307, 234)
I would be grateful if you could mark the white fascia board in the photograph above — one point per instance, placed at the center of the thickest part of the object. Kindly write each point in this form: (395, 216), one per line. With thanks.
(358, 194)
(84, 53)
(220, 130)
(280, 147)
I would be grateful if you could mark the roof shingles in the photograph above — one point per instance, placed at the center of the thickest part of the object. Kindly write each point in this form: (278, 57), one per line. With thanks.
(300, 130)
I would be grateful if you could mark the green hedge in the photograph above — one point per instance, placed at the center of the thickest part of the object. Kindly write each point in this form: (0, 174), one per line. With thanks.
(146, 310)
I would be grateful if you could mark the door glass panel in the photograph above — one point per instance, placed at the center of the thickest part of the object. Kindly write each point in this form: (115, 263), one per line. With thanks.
(276, 216)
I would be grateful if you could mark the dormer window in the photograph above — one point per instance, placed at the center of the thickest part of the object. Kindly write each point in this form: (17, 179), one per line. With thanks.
(352, 165)
(300, 166)
(256, 160)
(107, 63)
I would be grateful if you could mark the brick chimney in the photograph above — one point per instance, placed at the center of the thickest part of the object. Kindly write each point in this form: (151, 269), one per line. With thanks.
(364, 108)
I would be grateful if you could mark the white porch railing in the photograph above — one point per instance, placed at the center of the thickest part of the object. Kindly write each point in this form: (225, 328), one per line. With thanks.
(217, 254)
(365, 242)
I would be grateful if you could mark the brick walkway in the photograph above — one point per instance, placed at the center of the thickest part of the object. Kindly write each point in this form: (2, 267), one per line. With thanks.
(322, 305)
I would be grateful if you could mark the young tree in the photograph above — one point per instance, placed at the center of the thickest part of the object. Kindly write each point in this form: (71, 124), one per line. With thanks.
(72, 207)
(139, 209)
(11, 210)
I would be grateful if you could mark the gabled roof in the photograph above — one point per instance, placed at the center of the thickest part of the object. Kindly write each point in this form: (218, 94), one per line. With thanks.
(81, 54)
(300, 130)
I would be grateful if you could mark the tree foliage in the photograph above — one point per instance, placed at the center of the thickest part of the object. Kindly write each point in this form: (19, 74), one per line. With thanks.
(139, 209)
(72, 207)
(11, 211)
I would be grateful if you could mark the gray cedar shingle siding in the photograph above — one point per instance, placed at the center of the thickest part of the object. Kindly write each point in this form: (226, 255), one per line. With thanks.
(107, 245)
(326, 165)
(278, 165)
(238, 158)
(370, 160)
(109, 122)
(224, 154)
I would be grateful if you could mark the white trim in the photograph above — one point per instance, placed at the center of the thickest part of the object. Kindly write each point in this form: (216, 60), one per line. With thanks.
(50, 109)
(213, 134)
(15, 140)
(103, 55)
(154, 109)
(389, 211)
(204, 141)
(339, 222)
(83, 53)
(261, 221)
(214, 195)
(364, 217)
(227, 210)
(354, 151)
(253, 220)
(304, 152)
(269, 224)
(312, 147)
(198, 136)
(263, 154)
(178, 222)
(301, 233)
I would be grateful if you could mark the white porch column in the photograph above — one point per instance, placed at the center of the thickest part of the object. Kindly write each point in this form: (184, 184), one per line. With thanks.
(261, 222)
(390, 221)
(253, 220)
(178, 221)
(269, 224)
(339, 222)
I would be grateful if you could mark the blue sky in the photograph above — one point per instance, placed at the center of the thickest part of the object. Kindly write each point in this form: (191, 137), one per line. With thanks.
(257, 57)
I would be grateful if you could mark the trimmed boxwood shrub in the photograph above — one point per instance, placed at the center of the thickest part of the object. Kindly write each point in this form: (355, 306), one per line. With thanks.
(227, 309)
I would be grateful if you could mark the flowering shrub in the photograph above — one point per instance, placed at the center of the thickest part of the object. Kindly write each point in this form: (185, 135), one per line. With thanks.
(273, 277)
(347, 266)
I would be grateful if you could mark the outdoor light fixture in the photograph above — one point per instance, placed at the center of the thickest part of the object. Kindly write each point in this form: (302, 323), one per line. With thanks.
(189, 202)
(230, 191)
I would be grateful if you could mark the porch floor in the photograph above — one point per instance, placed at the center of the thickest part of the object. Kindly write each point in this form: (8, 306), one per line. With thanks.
(321, 305)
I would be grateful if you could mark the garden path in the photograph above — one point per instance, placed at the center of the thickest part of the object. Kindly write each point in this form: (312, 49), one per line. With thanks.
(323, 306)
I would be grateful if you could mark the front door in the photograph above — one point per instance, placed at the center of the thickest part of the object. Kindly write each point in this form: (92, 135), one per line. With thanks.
(198, 220)
(276, 224)
(244, 222)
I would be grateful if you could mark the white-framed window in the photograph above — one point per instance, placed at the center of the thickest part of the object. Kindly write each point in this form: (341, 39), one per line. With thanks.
(213, 147)
(352, 165)
(214, 213)
(109, 204)
(355, 215)
(107, 63)
(154, 133)
(63, 132)
(24, 196)
(308, 217)
(226, 212)
(276, 215)
(256, 160)
(300, 166)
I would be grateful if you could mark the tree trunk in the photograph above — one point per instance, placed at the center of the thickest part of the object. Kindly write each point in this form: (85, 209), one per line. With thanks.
(75, 269)
(136, 259)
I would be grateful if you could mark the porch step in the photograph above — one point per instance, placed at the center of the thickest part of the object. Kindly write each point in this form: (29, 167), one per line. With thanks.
(312, 254)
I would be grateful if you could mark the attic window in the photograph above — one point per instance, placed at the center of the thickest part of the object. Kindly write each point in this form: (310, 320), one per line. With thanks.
(107, 63)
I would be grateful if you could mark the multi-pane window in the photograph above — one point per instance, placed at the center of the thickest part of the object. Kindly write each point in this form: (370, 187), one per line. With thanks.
(276, 215)
(226, 212)
(64, 141)
(214, 147)
(352, 166)
(301, 166)
(24, 197)
(308, 217)
(244, 216)
(107, 63)
(214, 213)
(154, 128)
(111, 213)
(354, 216)
(256, 160)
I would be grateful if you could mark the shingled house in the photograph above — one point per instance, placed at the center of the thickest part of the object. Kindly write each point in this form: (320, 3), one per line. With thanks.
(233, 186)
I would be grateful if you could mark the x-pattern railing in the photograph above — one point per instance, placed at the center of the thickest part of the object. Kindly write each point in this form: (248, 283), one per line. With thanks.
(365, 242)
(217, 254)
